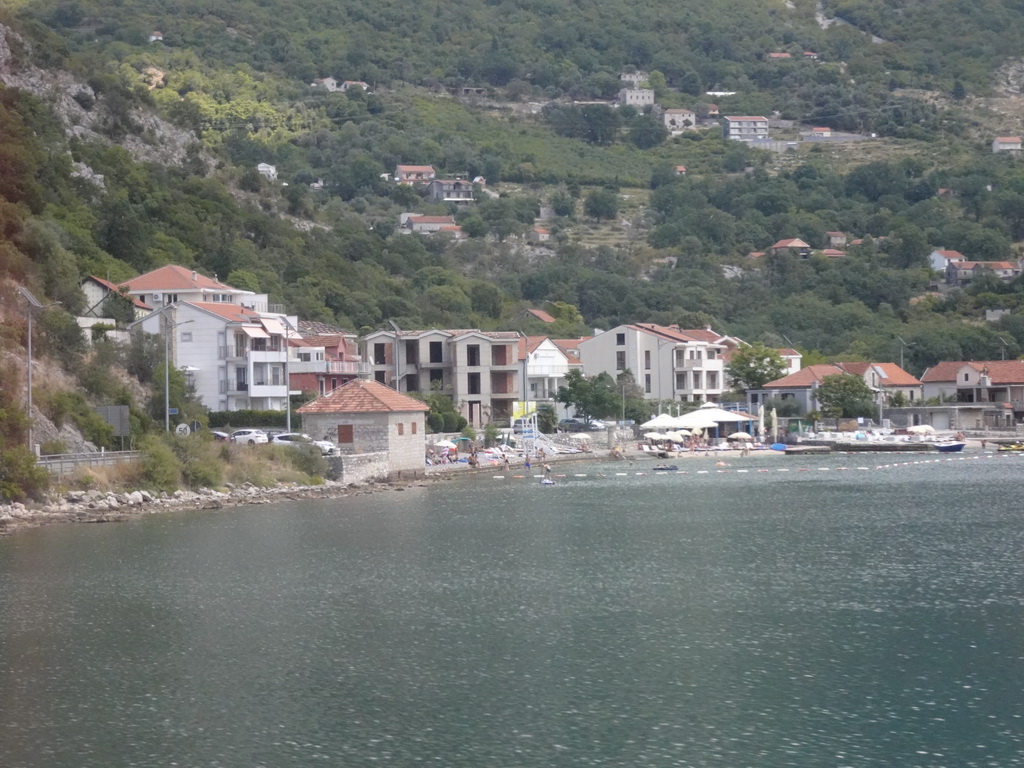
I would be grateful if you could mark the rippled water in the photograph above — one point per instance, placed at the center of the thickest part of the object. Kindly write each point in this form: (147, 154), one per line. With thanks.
(829, 617)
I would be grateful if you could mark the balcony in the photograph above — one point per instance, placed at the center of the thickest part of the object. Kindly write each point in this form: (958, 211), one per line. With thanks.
(232, 387)
(264, 389)
(267, 356)
(335, 367)
(230, 353)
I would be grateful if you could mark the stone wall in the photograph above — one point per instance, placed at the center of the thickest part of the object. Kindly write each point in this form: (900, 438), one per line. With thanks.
(359, 467)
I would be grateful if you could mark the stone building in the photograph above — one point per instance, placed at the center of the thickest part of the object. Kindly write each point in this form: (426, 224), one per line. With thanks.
(380, 432)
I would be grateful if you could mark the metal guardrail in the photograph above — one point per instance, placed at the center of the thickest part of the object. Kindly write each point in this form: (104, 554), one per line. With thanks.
(64, 463)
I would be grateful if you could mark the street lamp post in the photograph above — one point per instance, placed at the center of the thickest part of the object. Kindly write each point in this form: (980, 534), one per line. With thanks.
(171, 325)
(287, 380)
(32, 304)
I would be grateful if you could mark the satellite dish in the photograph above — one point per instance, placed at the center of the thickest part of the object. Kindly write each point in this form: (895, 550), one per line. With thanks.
(182, 429)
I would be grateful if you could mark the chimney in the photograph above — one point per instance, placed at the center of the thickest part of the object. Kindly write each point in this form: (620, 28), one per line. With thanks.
(193, 275)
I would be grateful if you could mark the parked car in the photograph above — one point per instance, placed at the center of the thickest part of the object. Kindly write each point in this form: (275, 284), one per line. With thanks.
(579, 425)
(249, 436)
(297, 438)
(220, 437)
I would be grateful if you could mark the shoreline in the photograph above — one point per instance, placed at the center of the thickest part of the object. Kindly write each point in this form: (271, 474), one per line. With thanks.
(110, 507)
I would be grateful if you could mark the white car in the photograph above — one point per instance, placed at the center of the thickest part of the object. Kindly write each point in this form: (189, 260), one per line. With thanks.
(249, 436)
(298, 438)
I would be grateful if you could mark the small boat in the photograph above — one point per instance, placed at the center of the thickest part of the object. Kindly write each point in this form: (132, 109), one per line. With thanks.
(547, 481)
(949, 446)
(1016, 447)
(665, 468)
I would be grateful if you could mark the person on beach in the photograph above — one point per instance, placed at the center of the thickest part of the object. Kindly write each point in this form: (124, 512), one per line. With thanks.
(506, 465)
(526, 462)
(547, 471)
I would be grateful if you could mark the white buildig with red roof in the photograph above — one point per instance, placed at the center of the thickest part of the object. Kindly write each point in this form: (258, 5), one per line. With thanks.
(667, 362)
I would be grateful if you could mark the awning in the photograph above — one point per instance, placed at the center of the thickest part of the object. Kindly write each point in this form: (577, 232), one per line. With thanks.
(254, 332)
(273, 325)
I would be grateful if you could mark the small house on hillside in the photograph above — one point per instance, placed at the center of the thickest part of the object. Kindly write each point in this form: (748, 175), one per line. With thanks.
(1006, 144)
(793, 245)
(267, 171)
(411, 174)
(373, 425)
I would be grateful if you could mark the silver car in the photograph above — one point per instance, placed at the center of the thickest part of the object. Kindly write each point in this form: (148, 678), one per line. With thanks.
(249, 436)
(298, 438)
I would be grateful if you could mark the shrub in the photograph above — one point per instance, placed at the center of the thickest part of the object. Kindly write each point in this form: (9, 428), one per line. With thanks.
(200, 465)
(51, 447)
(20, 477)
(306, 459)
(160, 468)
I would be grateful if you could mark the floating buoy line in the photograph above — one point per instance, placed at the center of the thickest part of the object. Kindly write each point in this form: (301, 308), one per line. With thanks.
(762, 470)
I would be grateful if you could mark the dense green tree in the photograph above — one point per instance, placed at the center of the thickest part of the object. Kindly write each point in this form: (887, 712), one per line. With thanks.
(845, 396)
(596, 397)
(602, 204)
(751, 367)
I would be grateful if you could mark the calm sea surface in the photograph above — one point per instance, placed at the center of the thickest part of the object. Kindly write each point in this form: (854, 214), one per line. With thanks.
(829, 617)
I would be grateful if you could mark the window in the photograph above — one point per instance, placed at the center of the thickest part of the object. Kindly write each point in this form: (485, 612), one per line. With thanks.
(323, 386)
(967, 377)
(712, 379)
(186, 337)
(345, 434)
(712, 354)
(436, 354)
(380, 355)
(647, 383)
(412, 352)
(436, 379)
(401, 429)
(473, 354)
(473, 383)
(620, 361)
(620, 339)
(304, 357)
(414, 426)
(647, 359)
(380, 376)
(334, 384)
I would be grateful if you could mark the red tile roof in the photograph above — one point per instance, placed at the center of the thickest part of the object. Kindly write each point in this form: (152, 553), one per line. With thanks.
(114, 289)
(891, 375)
(174, 278)
(527, 344)
(362, 396)
(793, 242)
(541, 315)
(1001, 371)
(233, 313)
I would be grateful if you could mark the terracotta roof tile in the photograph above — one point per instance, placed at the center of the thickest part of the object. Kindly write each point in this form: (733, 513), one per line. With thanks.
(174, 278)
(362, 396)
(541, 315)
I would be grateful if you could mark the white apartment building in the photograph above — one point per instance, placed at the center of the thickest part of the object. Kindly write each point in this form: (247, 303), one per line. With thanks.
(745, 127)
(233, 356)
(545, 366)
(231, 343)
(479, 370)
(667, 362)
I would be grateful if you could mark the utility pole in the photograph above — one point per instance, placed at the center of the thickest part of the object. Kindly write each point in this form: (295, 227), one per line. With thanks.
(171, 326)
(32, 304)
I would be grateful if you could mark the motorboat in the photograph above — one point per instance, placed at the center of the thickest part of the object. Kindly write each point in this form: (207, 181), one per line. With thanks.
(949, 446)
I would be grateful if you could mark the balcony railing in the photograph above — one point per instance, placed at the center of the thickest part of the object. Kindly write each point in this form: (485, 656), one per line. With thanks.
(227, 387)
(338, 367)
(230, 353)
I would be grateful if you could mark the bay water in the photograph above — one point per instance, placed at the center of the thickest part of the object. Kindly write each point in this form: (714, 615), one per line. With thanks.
(844, 611)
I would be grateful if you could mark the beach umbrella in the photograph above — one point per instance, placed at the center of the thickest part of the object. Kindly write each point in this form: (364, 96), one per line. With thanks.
(698, 432)
(677, 435)
(760, 419)
(775, 425)
(445, 444)
(661, 421)
(740, 436)
(654, 436)
(921, 429)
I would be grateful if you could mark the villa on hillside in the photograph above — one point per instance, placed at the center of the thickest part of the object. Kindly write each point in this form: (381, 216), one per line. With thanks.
(963, 272)
(1006, 144)
(412, 174)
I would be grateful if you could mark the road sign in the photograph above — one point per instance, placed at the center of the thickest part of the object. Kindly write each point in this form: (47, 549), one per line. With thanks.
(172, 411)
(181, 429)
(196, 426)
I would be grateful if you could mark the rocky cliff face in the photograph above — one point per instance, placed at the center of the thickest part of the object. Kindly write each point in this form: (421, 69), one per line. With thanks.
(156, 141)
